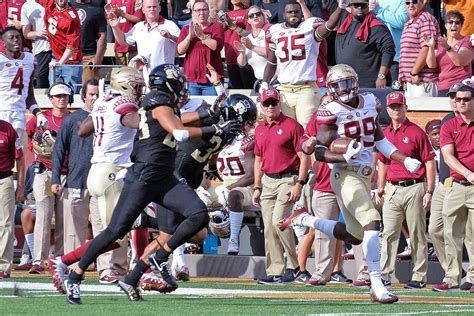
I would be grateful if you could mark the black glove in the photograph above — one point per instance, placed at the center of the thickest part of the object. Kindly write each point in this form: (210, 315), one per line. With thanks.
(212, 174)
(229, 127)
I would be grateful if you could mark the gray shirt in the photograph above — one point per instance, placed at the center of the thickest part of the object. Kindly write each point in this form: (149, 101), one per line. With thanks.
(32, 14)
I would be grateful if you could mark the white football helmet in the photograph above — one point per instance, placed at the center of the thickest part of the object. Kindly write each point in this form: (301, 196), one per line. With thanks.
(127, 81)
(342, 83)
(43, 142)
(219, 223)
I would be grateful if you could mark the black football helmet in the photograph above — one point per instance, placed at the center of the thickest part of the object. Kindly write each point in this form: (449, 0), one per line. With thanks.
(240, 107)
(168, 78)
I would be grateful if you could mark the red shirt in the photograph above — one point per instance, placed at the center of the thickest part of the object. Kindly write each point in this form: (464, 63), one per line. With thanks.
(11, 9)
(277, 144)
(199, 55)
(461, 135)
(411, 140)
(8, 149)
(240, 19)
(64, 30)
(449, 73)
(54, 124)
(132, 7)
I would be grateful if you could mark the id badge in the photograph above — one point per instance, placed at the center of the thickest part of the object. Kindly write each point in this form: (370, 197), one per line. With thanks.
(448, 182)
(76, 193)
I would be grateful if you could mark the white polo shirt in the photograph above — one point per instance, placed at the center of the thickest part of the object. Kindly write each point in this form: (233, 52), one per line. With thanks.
(151, 44)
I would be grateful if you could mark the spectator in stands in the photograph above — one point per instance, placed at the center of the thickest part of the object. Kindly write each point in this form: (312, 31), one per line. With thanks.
(365, 44)
(453, 55)
(202, 42)
(79, 206)
(93, 37)
(64, 34)
(252, 48)
(11, 153)
(41, 142)
(155, 38)
(314, 6)
(393, 14)
(417, 78)
(466, 8)
(280, 172)
(407, 195)
(181, 12)
(269, 9)
(32, 22)
(458, 152)
(129, 13)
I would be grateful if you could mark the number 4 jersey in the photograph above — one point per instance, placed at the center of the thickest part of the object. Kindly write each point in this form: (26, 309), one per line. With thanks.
(358, 123)
(296, 50)
(15, 75)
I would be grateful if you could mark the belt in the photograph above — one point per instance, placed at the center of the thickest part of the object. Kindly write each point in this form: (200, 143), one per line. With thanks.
(282, 175)
(363, 170)
(294, 87)
(463, 182)
(407, 183)
(5, 174)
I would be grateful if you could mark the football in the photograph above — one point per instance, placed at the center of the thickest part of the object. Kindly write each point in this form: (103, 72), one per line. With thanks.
(340, 145)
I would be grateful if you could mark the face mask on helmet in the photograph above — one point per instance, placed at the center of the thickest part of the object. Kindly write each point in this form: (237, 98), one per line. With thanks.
(43, 143)
(240, 107)
(169, 79)
(127, 81)
(219, 223)
(343, 90)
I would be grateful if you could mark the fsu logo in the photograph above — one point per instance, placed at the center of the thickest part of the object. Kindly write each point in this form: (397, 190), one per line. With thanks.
(406, 140)
(280, 132)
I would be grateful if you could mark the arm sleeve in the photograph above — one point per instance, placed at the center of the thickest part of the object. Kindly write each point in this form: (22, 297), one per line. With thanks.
(299, 131)
(182, 35)
(30, 131)
(174, 29)
(129, 38)
(428, 29)
(385, 44)
(446, 137)
(59, 152)
(218, 35)
(74, 34)
(426, 149)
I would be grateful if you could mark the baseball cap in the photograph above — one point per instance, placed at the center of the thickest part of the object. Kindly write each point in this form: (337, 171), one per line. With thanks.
(395, 98)
(432, 125)
(60, 88)
(270, 94)
(454, 88)
(359, 1)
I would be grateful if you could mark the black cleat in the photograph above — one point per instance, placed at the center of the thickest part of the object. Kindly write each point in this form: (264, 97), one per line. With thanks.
(161, 266)
(73, 291)
(133, 293)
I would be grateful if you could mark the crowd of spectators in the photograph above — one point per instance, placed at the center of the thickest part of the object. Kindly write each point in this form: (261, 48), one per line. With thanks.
(425, 47)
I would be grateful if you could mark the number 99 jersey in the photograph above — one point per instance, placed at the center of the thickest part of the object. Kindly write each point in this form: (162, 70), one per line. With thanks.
(358, 123)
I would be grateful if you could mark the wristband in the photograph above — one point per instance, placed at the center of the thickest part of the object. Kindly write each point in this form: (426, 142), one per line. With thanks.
(258, 189)
(217, 83)
(327, 28)
(34, 109)
(448, 48)
(240, 32)
(414, 75)
(429, 192)
(302, 182)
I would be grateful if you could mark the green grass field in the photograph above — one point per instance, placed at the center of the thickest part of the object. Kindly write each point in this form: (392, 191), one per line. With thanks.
(36, 296)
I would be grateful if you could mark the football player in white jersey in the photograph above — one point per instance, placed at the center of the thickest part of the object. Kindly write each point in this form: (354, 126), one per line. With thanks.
(235, 164)
(16, 82)
(293, 49)
(353, 115)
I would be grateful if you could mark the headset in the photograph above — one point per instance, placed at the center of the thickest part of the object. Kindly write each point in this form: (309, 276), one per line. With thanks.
(69, 86)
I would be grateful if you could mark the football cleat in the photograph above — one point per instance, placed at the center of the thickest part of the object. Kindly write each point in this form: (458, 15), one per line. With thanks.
(57, 270)
(191, 248)
(181, 273)
(233, 247)
(161, 266)
(133, 293)
(152, 282)
(25, 263)
(383, 298)
(294, 218)
(73, 291)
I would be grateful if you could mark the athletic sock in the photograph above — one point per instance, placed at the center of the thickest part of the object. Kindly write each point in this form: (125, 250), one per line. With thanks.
(371, 248)
(162, 254)
(134, 275)
(323, 225)
(178, 257)
(140, 241)
(30, 240)
(75, 255)
(235, 219)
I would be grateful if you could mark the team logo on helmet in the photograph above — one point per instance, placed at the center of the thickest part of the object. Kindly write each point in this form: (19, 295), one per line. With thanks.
(43, 142)
(219, 223)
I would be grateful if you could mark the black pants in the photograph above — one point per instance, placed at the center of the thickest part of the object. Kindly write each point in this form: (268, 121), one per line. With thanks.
(42, 70)
(137, 193)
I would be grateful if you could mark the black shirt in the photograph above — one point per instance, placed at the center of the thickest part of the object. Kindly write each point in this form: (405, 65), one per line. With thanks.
(272, 7)
(180, 10)
(92, 23)
(315, 6)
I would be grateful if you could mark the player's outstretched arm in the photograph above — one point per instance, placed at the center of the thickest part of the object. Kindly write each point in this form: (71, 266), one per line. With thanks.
(324, 30)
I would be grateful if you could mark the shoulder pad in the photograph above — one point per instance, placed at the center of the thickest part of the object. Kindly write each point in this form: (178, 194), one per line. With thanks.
(156, 98)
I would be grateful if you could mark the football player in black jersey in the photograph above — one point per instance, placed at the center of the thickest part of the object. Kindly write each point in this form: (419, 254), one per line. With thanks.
(151, 178)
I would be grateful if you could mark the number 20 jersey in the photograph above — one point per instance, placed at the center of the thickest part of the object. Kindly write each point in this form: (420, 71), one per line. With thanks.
(358, 123)
(296, 50)
(15, 77)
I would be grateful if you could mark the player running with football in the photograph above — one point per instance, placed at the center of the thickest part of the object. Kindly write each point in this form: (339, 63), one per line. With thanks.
(354, 115)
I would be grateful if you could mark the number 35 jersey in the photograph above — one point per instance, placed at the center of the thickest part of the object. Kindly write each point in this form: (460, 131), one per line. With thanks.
(296, 50)
(15, 77)
(358, 123)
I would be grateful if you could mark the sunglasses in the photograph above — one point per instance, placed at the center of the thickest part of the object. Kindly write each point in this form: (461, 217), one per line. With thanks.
(255, 15)
(466, 99)
(453, 22)
(272, 103)
(360, 5)
(411, 2)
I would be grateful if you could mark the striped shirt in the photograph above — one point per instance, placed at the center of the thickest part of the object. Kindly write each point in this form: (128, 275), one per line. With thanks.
(424, 25)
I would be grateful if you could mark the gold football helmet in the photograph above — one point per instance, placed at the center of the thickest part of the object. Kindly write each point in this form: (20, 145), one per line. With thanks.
(342, 83)
(127, 81)
(43, 142)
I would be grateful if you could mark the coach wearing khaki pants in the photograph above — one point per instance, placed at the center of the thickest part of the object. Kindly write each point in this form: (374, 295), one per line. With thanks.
(280, 168)
(407, 195)
(10, 152)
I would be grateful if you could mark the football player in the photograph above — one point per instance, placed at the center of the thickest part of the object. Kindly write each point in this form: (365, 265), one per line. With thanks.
(151, 179)
(354, 115)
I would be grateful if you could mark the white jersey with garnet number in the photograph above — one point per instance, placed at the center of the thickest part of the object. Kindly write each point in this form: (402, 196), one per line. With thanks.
(358, 123)
(296, 50)
(15, 77)
(113, 142)
(231, 159)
